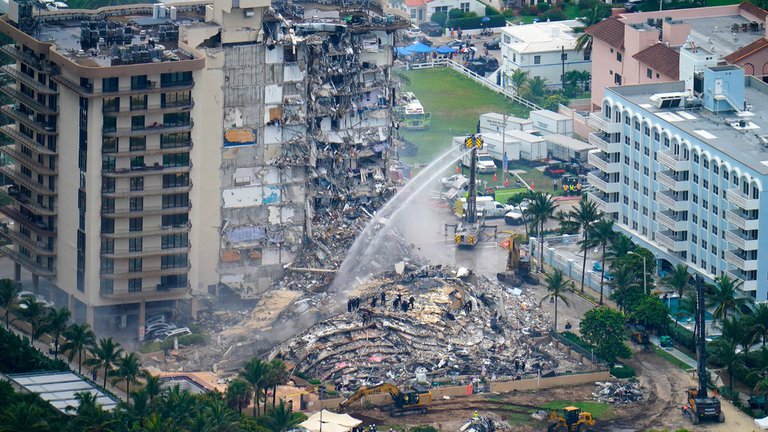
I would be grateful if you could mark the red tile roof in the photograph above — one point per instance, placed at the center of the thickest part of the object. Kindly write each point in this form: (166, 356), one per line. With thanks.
(610, 31)
(660, 58)
(414, 3)
(754, 10)
(747, 51)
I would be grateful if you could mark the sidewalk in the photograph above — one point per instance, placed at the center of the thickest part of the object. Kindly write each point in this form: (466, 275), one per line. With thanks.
(675, 352)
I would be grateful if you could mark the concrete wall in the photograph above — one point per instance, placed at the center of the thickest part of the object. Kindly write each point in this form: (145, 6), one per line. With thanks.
(545, 383)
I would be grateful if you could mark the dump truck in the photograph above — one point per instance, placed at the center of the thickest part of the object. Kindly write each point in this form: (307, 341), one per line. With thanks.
(414, 401)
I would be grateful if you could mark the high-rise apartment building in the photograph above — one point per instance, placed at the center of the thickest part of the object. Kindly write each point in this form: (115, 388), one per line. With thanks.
(681, 167)
(162, 151)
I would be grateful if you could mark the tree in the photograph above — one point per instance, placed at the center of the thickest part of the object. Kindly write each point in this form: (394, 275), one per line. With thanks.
(604, 328)
(56, 325)
(535, 89)
(596, 14)
(254, 372)
(585, 214)
(78, 338)
(90, 417)
(541, 209)
(518, 77)
(9, 290)
(128, 369)
(737, 329)
(280, 419)
(557, 288)
(625, 286)
(679, 280)
(553, 101)
(690, 306)
(619, 250)
(238, 394)
(652, 312)
(23, 416)
(219, 418)
(439, 18)
(105, 354)
(278, 376)
(724, 354)
(724, 296)
(760, 323)
(602, 235)
(151, 385)
(567, 224)
(33, 312)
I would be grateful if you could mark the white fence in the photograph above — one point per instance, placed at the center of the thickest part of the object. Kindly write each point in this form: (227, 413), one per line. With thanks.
(569, 266)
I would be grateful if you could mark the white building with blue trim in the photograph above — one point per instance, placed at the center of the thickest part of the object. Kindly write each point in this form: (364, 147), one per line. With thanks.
(681, 168)
(537, 49)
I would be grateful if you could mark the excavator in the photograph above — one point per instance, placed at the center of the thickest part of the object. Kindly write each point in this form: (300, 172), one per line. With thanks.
(699, 406)
(414, 401)
(518, 268)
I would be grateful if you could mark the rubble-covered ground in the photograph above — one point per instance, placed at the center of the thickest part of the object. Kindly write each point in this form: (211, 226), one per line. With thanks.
(617, 393)
(439, 337)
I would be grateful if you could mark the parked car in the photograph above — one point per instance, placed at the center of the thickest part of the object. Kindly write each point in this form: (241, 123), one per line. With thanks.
(154, 319)
(426, 41)
(414, 33)
(184, 331)
(22, 295)
(493, 44)
(431, 28)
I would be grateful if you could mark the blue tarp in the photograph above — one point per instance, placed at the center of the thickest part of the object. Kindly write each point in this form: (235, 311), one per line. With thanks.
(420, 48)
(403, 51)
(445, 49)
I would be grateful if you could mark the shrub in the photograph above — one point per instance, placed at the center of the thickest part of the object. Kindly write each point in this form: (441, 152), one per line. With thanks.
(424, 428)
(554, 14)
(490, 11)
(455, 14)
(543, 7)
(314, 381)
(623, 371)
(439, 18)
(18, 356)
(476, 22)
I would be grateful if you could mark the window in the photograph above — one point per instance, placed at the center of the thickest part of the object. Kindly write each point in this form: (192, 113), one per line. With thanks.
(636, 165)
(138, 143)
(134, 285)
(136, 224)
(646, 171)
(176, 119)
(175, 241)
(696, 179)
(137, 184)
(176, 159)
(705, 204)
(634, 205)
(705, 184)
(110, 84)
(413, 14)
(175, 79)
(137, 162)
(108, 164)
(108, 184)
(139, 82)
(715, 189)
(464, 7)
(107, 205)
(635, 186)
(695, 158)
(626, 200)
(713, 249)
(618, 57)
(107, 265)
(107, 286)
(637, 145)
(109, 124)
(695, 199)
(136, 204)
(175, 99)
(645, 211)
(176, 200)
(714, 209)
(649, 73)
(139, 102)
(173, 261)
(704, 224)
(645, 190)
(714, 229)
(694, 240)
(108, 145)
(135, 244)
(617, 79)
(175, 220)
(715, 169)
(537, 59)
(646, 151)
(175, 180)
(137, 123)
(107, 245)
(626, 160)
(694, 218)
(111, 104)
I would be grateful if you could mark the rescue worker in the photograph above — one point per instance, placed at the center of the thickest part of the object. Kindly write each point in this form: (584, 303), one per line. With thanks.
(411, 301)
(565, 189)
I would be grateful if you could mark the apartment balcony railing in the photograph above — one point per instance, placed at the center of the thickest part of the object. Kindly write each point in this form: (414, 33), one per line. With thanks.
(668, 240)
(671, 222)
(35, 225)
(24, 57)
(152, 129)
(11, 132)
(602, 164)
(742, 201)
(739, 220)
(673, 182)
(18, 76)
(672, 202)
(602, 204)
(29, 183)
(29, 120)
(747, 284)
(28, 263)
(146, 271)
(600, 141)
(148, 109)
(740, 260)
(10, 91)
(39, 248)
(154, 190)
(672, 162)
(154, 150)
(735, 238)
(155, 292)
(146, 252)
(598, 121)
(600, 182)
(149, 88)
(145, 170)
(26, 202)
(145, 211)
(29, 162)
(148, 232)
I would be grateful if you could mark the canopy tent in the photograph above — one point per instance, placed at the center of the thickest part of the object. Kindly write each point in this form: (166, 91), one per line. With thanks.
(403, 51)
(331, 422)
(445, 49)
(420, 48)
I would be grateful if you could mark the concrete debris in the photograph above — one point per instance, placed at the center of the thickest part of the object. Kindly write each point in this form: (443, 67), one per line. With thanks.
(540, 415)
(486, 424)
(617, 393)
(427, 323)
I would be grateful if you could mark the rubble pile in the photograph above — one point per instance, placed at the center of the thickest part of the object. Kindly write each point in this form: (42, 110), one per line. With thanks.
(486, 424)
(452, 326)
(617, 393)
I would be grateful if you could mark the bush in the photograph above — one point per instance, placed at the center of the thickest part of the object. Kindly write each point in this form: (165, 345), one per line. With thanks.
(18, 356)
(455, 14)
(424, 428)
(193, 339)
(490, 11)
(476, 22)
(554, 14)
(543, 7)
(577, 340)
(314, 381)
(623, 371)
(439, 18)
(683, 336)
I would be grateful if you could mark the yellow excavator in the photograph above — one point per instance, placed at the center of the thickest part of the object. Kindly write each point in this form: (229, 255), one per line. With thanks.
(518, 268)
(570, 419)
(415, 401)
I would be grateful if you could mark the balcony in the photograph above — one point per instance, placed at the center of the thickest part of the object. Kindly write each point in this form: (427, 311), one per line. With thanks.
(668, 240)
(147, 271)
(601, 183)
(148, 109)
(39, 248)
(179, 148)
(148, 130)
(748, 285)
(602, 164)
(149, 88)
(146, 211)
(145, 170)
(38, 226)
(146, 252)
(27, 182)
(30, 205)
(154, 293)
(672, 162)
(148, 232)
(32, 164)
(674, 223)
(29, 120)
(27, 262)
(742, 201)
(18, 76)
(155, 190)
(737, 239)
(601, 142)
(597, 121)
(672, 202)
(672, 182)
(740, 260)
(22, 56)
(20, 97)
(603, 205)
(11, 132)
(739, 220)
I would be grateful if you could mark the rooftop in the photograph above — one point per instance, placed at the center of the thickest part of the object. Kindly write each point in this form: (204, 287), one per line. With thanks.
(716, 130)
(543, 37)
(662, 59)
(59, 389)
(747, 51)
(610, 31)
(716, 33)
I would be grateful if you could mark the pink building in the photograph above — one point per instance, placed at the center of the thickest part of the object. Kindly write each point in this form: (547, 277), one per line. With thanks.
(641, 48)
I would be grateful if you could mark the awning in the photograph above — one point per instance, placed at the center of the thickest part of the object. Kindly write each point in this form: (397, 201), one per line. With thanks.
(331, 422)
(420, 48)
(445, 49)
(403, 51)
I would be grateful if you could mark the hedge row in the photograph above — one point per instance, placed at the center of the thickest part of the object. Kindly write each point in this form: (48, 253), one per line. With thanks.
(476, 22)
(622, 371)
(18, 356)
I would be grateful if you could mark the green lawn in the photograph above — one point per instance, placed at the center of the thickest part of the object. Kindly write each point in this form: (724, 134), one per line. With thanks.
(599, 410)
(456, 103)
(661, 352)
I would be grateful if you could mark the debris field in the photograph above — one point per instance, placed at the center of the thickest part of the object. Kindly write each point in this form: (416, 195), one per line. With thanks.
(617, 393)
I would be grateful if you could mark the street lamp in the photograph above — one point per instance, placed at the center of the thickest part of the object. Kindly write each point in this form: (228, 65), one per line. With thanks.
(645, 285)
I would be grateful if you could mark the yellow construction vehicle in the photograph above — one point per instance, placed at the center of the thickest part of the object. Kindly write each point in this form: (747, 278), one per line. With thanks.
(570, 419)
(415, 401)
(518, 268)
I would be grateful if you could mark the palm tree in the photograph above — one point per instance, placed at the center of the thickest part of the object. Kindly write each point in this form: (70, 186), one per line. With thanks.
(279, 376)
(105, 354)
(760, 324)
(535, 89)
(139, 409)
(220, 418)
(9, 290)
(254, 372)
(281, 419)
(79, 337)
(151, 384)
(585, 214)
(541, 209)
(724, 354)
(620, 246)
(90, 416)
(679, 280)
(567, 224)
(128, 370)
(724, 296)
(584, 42)
(56, 325)
(23, 416)
(557, 288)
(33, 312)
(624, 281)
(238, 394)
(518, 78)
(689, 305)
(602, 235)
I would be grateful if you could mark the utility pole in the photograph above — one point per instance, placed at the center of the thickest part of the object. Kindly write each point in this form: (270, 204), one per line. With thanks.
(562, 63)
(702, 365)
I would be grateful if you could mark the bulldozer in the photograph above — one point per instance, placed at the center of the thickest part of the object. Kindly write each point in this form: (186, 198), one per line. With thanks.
(570, 419)
(414, 401)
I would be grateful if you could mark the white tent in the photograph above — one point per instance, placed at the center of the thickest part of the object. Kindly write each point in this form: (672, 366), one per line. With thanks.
(331, 422)
(762, 423)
